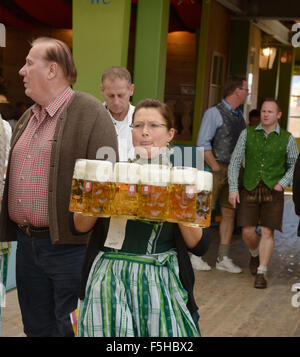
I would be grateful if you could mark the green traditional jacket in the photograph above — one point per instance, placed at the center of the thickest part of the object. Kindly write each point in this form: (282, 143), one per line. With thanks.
(265, 157)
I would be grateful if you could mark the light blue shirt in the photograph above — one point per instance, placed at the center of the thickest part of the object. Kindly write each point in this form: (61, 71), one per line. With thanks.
(211, 121)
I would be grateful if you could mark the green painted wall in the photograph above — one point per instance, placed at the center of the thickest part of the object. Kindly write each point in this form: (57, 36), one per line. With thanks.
(202, 49)
(150, 56)
(239, 47)
(284, 88)
(100, 40)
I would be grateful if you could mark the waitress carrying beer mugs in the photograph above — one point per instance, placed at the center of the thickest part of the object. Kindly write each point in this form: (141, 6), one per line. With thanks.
(137, 277)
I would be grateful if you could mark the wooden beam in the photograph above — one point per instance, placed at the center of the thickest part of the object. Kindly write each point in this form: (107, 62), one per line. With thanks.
(279, 9)
(275, 28)
(233, 5)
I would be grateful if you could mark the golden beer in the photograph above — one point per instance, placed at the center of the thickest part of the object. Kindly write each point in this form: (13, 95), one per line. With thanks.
(203, 200)
(153, 192)
(98, 188)
(182, 196)
(76, 200)
(125, 201)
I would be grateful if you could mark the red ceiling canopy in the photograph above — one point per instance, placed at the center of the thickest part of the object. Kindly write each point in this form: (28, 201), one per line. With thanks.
(189, 11)
(184, 14)
(54, 13)
(10, 18)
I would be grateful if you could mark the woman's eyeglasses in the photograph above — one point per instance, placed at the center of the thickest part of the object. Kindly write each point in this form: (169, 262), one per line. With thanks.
(150, 126)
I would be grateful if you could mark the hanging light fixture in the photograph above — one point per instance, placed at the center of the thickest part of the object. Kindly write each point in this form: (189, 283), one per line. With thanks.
(267, 57)
(3, 99)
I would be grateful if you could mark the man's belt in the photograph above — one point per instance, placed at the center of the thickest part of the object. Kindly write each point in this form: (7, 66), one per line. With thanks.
(32, 231)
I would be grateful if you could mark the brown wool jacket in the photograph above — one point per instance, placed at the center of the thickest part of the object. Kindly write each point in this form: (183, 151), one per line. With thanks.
(82, 128)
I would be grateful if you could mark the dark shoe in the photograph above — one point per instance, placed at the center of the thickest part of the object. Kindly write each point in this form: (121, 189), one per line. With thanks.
(260, 282)
(253, 264)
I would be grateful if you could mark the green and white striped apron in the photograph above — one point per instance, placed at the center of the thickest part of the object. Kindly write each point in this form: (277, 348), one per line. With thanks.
(132, 295)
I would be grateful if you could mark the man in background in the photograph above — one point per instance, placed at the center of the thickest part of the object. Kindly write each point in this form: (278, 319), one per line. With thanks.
(254, 117)
(220, 129)
(270, 154)
(117, 88)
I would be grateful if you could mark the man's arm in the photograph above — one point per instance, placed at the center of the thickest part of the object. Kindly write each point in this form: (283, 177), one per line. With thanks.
(211, 121)
(234, 168)
(211, 161)
(291, 158)
(103, 139)
(296, 186)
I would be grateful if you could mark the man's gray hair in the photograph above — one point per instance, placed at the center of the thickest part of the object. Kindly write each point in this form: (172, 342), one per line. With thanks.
(115, 72)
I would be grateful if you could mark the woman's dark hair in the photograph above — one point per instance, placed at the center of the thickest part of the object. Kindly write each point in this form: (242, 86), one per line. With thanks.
(163, 108)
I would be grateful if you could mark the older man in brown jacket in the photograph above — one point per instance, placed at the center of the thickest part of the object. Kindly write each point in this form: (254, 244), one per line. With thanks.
(62, 126)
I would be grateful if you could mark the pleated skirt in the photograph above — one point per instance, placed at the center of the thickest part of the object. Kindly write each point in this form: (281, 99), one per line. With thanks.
(135, 296)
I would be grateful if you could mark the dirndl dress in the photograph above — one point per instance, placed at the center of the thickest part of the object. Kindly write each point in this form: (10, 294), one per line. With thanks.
(136, 295)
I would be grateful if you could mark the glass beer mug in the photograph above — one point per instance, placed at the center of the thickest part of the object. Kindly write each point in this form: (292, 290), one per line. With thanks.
(125, 201)
(153, 192)
(98, 188)
(203, 199)
(76, 200)
(182, 196)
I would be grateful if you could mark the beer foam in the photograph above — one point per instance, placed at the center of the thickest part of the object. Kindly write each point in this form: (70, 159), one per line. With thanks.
(127, 172)
(79, 169)
(204, 181)
(156, 175)
(104, 171)
(184, 175)
(90, 170)
(98, 170)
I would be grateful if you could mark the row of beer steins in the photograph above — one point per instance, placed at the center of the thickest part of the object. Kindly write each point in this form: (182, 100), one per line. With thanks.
(148, 192)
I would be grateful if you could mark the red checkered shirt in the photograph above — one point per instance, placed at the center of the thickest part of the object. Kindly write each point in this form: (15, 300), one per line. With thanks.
(30, 164)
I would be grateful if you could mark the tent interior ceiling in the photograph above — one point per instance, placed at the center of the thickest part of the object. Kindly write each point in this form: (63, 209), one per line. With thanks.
(185, 14)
